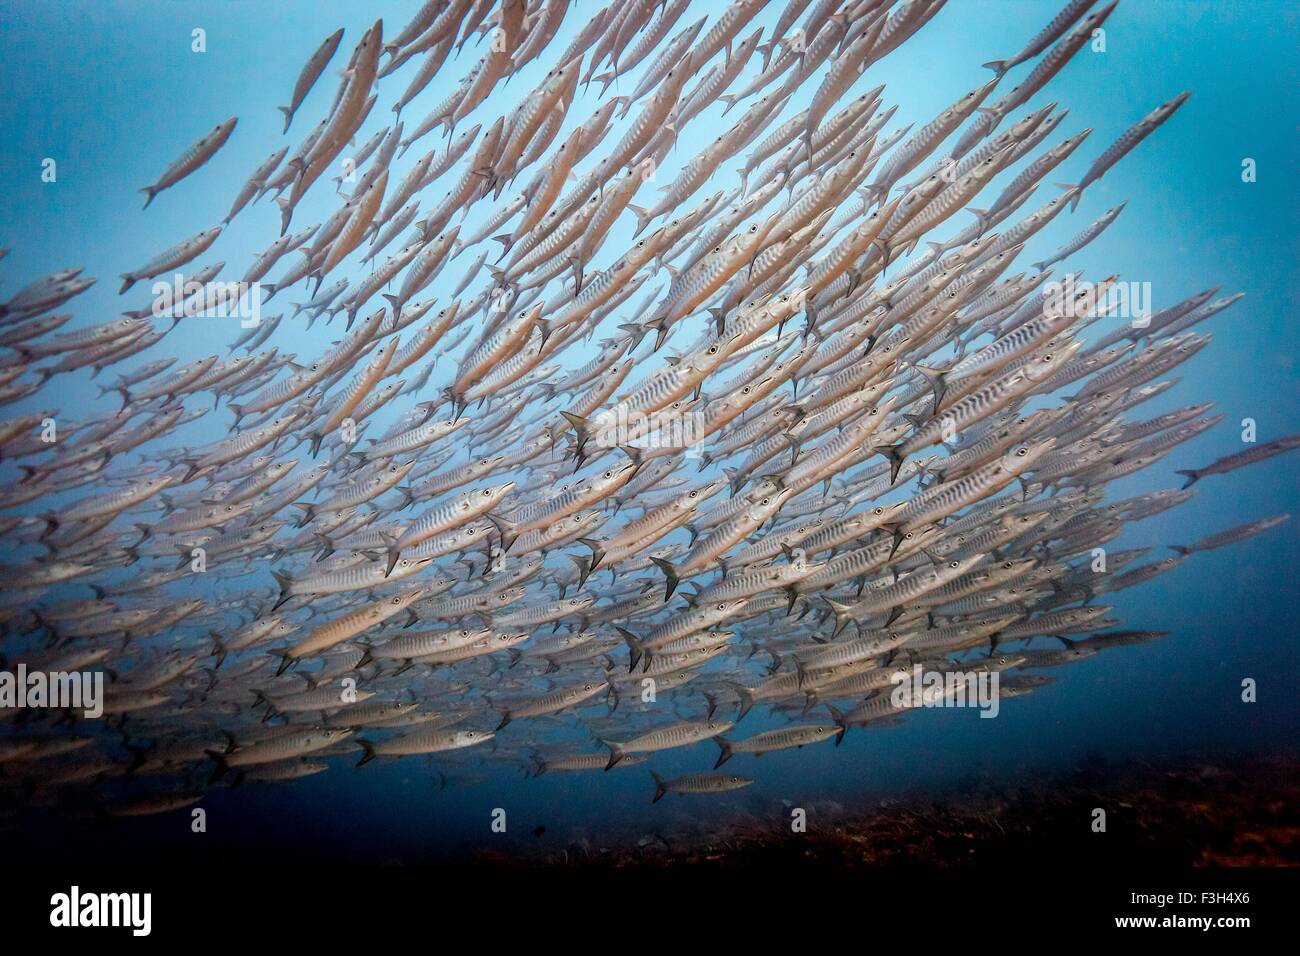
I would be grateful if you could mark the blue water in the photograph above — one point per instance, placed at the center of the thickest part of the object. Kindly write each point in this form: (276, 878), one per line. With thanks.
(113, 92)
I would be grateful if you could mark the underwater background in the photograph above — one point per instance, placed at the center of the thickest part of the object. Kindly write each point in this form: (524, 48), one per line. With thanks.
(110, 90)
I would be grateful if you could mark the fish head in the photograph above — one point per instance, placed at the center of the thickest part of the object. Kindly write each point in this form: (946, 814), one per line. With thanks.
(1022, 457)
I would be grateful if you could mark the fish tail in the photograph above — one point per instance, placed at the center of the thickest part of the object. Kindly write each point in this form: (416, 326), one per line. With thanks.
(747, 699)
(1192, 478)
(842, 615)
(221, 765)
(997, 66)
(287, 660)
(660, 789)
(508, 530)
(725, 752)
(895, 455)
(285, 580)
(308, 512)
(581, 428)
(583, 568)
(670, 574)
(392, 551)
(606, 80)
(597, 552)
(218, 648)
(937, 381)
(368, 752)
(660, 327)
(286, 213)
(138, 756)
(396, 303)
(150, 193)
(288, 117)
(643, 217)
(636, 649)
(616, 754)
(1078, 193)
(839, 722)
(1179, 549)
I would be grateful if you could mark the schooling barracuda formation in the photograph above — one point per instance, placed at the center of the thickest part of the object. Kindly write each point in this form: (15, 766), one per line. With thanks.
(657, 442)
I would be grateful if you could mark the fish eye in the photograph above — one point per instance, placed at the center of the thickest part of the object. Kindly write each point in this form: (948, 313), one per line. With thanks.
(1021, 452)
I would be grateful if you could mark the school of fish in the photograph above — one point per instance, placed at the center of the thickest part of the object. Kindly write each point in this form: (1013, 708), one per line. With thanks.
(562, 501)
